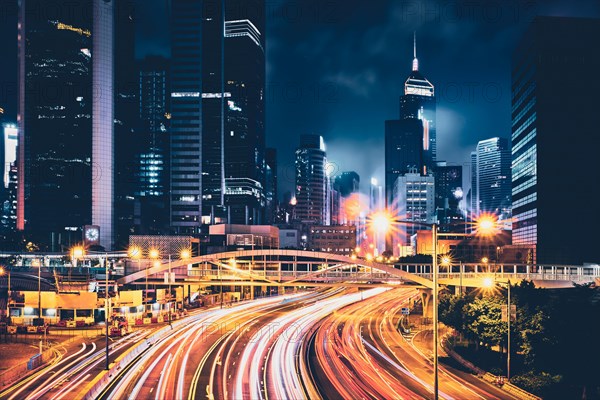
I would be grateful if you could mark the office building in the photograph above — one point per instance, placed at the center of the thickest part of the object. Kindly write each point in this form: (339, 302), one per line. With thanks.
(416, 202)
(152, 153)
(217, 125)
(127, 133)
(337, 239)
(346, 183)
(555, 83)
(472, 212)
(448, 194)
(311, 181)
(492, 177)
(10, 139)
(55, 105)
(410, 140)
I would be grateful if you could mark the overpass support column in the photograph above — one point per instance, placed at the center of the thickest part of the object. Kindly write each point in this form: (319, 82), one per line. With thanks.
(426, 297)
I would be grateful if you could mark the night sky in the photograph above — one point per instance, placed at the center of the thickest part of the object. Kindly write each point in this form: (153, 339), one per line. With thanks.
(337, 68)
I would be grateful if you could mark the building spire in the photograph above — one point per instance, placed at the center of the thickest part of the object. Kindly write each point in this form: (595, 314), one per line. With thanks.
(415, 66)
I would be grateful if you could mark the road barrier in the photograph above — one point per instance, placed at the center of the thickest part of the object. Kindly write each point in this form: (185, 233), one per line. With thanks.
(99, 384)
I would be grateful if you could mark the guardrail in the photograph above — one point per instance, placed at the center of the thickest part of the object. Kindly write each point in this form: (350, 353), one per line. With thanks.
(97, 386)
(19, 371)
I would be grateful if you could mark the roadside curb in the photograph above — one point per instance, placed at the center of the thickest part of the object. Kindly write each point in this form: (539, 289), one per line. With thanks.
(486, 376)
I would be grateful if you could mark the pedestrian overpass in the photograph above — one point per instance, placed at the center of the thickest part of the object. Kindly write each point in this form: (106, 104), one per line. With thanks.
(287, 268)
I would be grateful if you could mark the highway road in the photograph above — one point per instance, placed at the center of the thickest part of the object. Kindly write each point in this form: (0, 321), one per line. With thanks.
(190, 363)
(70, 370)
(330, 344)
(359, 353)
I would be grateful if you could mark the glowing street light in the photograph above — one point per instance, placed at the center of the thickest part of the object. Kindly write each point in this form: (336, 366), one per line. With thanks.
(153, 253)
(381, 223)
(185, 254)
(134, 252)
(486, 224)
(77, 252)
(488, 282)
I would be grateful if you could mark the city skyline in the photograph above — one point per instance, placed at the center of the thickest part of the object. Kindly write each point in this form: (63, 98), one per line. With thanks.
(182, 213)
(301, 56)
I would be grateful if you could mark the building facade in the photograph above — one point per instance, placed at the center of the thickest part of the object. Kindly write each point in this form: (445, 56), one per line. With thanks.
(311, 181)
(152, 184)
(492, 177)
(555, 106)
(448, 194)
(416, 202)
(217, 126)
(337, 239)
(55, 106)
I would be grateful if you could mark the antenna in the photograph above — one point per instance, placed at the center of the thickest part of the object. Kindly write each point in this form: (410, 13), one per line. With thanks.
(415, 66)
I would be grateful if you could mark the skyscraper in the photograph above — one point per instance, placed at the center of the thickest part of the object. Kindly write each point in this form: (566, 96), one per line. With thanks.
(403, 152)
(217, 126)
(448, 193)
(416, 202)
(311, 180)
(410, 141)
(54, 191)
(152, 152)
(10, 141)
(555, 86)
(492, 177)
(346, 183)
(419, 102)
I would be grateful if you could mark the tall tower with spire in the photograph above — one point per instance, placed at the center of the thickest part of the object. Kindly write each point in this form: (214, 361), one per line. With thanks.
(410, 140)
(418, 102)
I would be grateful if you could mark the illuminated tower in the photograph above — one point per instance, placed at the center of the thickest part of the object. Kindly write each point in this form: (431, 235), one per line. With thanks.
(418, 102)
(410, 140)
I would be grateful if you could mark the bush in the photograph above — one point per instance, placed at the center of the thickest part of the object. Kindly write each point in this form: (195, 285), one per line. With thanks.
(539, 383)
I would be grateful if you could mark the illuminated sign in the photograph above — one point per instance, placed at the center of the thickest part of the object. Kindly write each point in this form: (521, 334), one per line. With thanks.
(71, 28)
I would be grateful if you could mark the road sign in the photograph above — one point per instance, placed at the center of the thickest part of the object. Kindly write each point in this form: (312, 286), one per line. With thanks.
(405, 311)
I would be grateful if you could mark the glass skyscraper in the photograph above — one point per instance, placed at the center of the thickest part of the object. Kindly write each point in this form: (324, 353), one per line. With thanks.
(555, 103)
(492, 177)
(217, 126)
(54, 193)
(311, 181)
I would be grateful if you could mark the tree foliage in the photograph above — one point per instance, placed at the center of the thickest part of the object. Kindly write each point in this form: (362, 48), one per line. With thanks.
(556, 332)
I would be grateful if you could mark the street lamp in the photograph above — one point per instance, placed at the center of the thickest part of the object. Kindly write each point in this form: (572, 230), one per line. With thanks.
(434, 266)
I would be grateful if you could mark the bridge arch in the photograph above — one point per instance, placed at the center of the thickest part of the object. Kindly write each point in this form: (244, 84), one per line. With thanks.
(280, 255)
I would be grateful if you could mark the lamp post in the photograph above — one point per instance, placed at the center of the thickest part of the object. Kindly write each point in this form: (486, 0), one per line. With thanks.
(489, 283)
(382, 222)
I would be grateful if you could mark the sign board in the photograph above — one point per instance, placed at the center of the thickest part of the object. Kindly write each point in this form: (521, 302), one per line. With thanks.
(405, 311)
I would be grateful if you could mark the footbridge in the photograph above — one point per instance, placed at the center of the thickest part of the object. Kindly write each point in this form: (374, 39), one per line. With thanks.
(278, 267)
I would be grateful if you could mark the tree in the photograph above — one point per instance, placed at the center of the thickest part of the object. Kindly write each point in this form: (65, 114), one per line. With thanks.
(484, 320)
